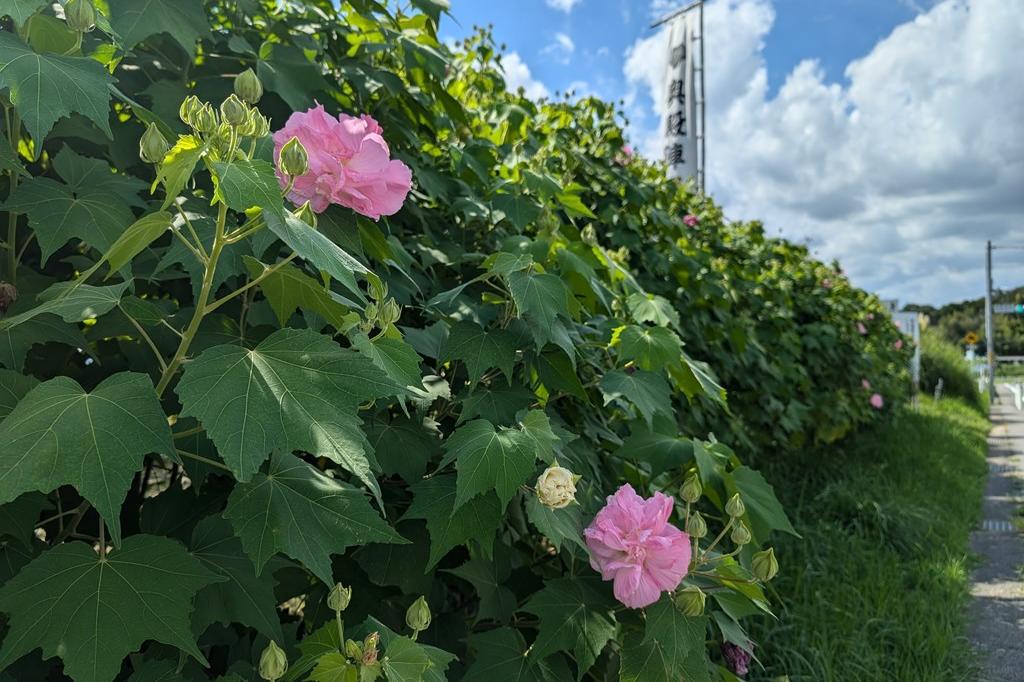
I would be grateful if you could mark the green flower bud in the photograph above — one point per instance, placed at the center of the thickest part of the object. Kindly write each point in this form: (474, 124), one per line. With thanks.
(261, 125)
(153, 146)
(696, 526)
(80, 15)
(190, 106)
(764, 565)
(735, 507)
(306, 214)
(339, 597)
(353, 650)
(205, 119)
(273, 663)
(691, 490)
(690, 601)
(248, 86)
(740, 535)
(390, 312)
(370, 648)
(233, 112)
(417, 617)
(294, 160)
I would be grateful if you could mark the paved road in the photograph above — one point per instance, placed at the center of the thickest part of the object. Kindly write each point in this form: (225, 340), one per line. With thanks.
(997, 585)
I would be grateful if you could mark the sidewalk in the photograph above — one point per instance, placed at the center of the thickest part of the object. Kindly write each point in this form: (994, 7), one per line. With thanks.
(997, 610)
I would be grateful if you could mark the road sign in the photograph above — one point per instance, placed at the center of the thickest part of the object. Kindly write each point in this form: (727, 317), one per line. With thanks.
(1008, 308)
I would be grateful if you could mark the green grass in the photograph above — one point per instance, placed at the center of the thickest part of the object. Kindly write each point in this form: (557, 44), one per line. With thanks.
(877, 587)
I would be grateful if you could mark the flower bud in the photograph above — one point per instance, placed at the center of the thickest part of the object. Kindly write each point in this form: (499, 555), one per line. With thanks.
(294, 160)
(248, 86)
(740, 535)
(417, 616)
(80, 15)
(764, 565)
(273, 663)
(8, 295)
(588, 235)
(260, 125)
(353, 650)
(390, 312)
(233, 112)
(153, 146)
(696, 526)
(556, 487)
(691, 490)
(370, 648)
(735, 507)
(205, 119)
(306, 214)
(190, 106)
(339, 597)
(690, 601)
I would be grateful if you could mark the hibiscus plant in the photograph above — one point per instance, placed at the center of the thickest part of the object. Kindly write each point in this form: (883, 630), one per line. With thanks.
(324, 356)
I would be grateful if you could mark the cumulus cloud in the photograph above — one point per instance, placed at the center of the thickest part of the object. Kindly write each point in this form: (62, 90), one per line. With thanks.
(562, 5)
(517, 75)
(560, 49)
(901, 173)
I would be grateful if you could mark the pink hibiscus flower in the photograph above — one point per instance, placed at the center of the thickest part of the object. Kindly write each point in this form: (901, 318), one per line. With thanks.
(876, 401)
(861, 329)
(866, 384)
(690, 220)
(898, 344)
(349, 164)
(631, 542)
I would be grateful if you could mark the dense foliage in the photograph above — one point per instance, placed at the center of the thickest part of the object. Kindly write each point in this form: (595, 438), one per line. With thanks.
(216, 404)
(956, 320)
(942, 360)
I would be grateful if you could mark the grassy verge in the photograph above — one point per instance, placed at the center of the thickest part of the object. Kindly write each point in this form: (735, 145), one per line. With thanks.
(877, 588)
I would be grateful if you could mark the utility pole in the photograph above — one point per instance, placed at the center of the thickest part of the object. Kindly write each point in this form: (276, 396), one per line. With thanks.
(990, 342)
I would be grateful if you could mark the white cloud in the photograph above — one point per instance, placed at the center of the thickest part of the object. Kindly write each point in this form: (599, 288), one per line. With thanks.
(517, 75)
(560, 49)
(901, 174)
(563, 5)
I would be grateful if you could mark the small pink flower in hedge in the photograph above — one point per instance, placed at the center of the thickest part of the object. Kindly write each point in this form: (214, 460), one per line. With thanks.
(631, 542)
(627, 151)
(736, 658)
(876, 401)
(349, 164)
(866, 384)
(690, 220)
(870, 316)
(861, 329)
(899, 344)
(826, 283)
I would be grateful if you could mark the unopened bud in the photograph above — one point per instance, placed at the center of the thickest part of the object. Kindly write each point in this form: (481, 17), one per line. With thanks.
(190, 106)
(735, 507)
(588, 235)
(353, 650)
(205, 119)
(153, 146)
(740, 535)
(691, 490)
(233, 112)
(370, 648)
(80, 15)
(764, 565)
(260, 126)
(8, 295)
(417, 616)
(690, 601)
(556, 487)
(306, 214)
(339, 597)
(696, 526)
(294, 160)
(390, 312)
(248, 86)
(273, 662)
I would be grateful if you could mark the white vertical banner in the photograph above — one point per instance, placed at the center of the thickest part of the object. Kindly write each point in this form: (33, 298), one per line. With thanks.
(680, 124)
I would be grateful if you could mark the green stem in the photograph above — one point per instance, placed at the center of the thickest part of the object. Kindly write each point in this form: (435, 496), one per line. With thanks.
(13, 133)
(204, 460)
(266, 273)
(148, 340)
(187, 432)
(717, 539)
(341, 629)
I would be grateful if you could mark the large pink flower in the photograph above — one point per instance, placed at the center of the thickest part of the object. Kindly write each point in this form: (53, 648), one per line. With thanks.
(691, 220)
(349, 164)
(631, 542)
(876, 401)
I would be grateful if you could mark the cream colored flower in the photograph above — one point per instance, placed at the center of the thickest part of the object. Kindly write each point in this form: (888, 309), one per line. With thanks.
(556, 487)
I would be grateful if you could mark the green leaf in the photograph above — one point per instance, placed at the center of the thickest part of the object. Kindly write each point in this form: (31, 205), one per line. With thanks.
(648, 392)
(403, 445)
(695, 377)
(480, 349)
(312, 648)
(137, 237)
(15, 342)
(404, 660)
(558, 525)
(536, 429)
(9, 162)
(542, 300)
(334, 667)
(49, 34)
(672, 647)
(297, 510)
(662, 452)
(395, 357)
(439, 659)
(574, 206)
(18, 518)
(434, 502)
(575, 615)
(498, 404)
(316, 248)
(45, 87)
(764, 511)
(488, 578)
(242, 597)
(502, 654)
(288, 289)
(72, 301)
(61, 435)
(178, 165)
(651, 308)
(92, 612)
(488, 459)
(651, 348)
(20, 10)
(296, 390)
(13, 387)
(136, 20)
(519, 210)
(284, 69)
(244, 184)
(400, 566)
